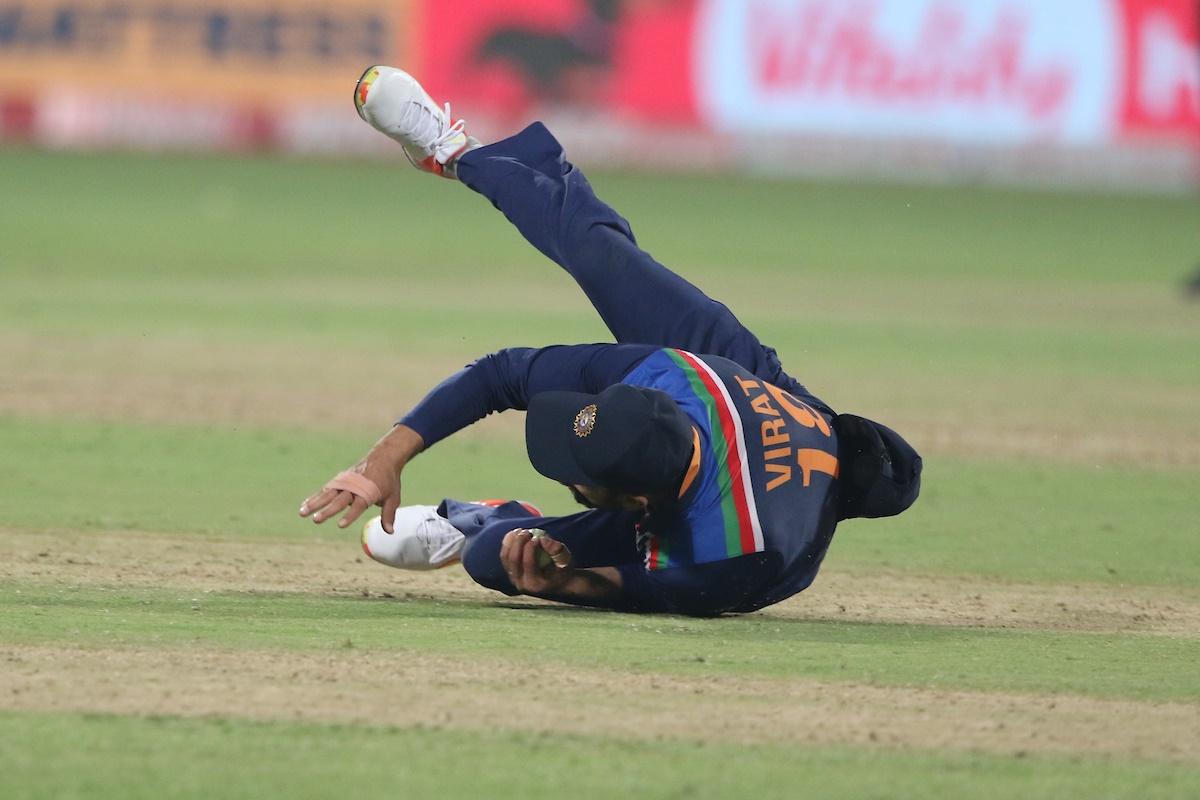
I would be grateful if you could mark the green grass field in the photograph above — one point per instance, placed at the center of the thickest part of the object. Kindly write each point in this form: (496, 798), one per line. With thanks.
(189, 346)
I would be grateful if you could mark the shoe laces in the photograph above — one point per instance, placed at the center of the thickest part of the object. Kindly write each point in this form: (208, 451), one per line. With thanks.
(434, 538)
(427, 125)
(451, 131)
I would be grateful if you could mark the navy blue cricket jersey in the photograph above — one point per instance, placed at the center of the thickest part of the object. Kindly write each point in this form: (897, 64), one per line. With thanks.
(756, 510)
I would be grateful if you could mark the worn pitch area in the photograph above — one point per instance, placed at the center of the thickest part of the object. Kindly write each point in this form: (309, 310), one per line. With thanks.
(474, 693)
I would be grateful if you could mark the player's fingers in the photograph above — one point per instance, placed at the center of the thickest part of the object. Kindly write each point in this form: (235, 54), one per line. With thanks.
(557, 551)
(333, 507)
(516, 560)
(357, 506)
(506, 552)
(316, 501)
(529, 551)
(390, 504)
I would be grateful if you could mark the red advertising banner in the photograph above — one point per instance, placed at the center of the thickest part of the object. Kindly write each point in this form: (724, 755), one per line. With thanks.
(1003, 72)
(1160, 82)
(623, 58)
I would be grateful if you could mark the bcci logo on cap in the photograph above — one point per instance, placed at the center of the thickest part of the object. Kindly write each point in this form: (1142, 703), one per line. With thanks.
(585, 420)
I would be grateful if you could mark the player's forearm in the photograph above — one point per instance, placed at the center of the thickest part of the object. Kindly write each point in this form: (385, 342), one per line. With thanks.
(595, 586)
(388, 457)
(399, 445)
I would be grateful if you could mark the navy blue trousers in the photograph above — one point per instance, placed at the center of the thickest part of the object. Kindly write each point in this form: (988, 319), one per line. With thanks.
(528, 178)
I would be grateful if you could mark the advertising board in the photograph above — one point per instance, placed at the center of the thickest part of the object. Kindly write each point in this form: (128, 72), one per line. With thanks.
(271, 51)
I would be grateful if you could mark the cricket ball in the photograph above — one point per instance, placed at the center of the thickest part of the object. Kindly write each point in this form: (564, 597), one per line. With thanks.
(543, 558)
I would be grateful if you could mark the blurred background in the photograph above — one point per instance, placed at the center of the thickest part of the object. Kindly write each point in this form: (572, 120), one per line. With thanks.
(1089, 92)
(975, 220)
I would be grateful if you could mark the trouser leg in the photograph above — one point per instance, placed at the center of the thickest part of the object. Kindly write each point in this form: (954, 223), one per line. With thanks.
(551, 203)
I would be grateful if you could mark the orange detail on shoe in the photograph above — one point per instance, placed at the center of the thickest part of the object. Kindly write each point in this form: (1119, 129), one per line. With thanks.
(364, 83)
(366, 549)
(533, 510)
(491, 502)
(430, 164)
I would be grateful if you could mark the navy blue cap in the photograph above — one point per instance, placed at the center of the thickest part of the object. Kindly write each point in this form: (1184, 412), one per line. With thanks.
(626, 438)
(879, 473)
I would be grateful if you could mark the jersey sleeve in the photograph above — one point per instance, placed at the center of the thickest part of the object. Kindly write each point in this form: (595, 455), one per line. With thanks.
(700, 590)
(507, 379)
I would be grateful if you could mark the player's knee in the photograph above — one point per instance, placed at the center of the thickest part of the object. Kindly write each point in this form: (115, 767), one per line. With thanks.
(481, 560)
(595, 240)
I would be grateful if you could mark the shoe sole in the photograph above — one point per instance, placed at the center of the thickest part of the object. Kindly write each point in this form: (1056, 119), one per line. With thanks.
(363, 536)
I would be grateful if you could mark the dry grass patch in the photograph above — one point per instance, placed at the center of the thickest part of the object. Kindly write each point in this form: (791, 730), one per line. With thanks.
(371, 688)
(149, 560)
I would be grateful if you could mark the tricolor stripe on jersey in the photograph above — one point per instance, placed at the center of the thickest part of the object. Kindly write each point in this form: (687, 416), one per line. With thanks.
(743, 533)
(656, 553)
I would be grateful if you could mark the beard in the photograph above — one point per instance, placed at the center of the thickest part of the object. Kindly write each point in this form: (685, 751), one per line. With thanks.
(579, 498)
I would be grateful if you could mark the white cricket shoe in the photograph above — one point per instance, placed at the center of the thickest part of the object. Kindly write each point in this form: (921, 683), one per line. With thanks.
(394, 103)
(422, 539)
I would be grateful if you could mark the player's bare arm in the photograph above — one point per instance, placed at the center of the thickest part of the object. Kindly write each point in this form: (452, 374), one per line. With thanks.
(382, 465)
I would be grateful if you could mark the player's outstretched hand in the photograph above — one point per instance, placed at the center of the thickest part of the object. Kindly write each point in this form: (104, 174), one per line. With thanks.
(535, 563)
(373, 481)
